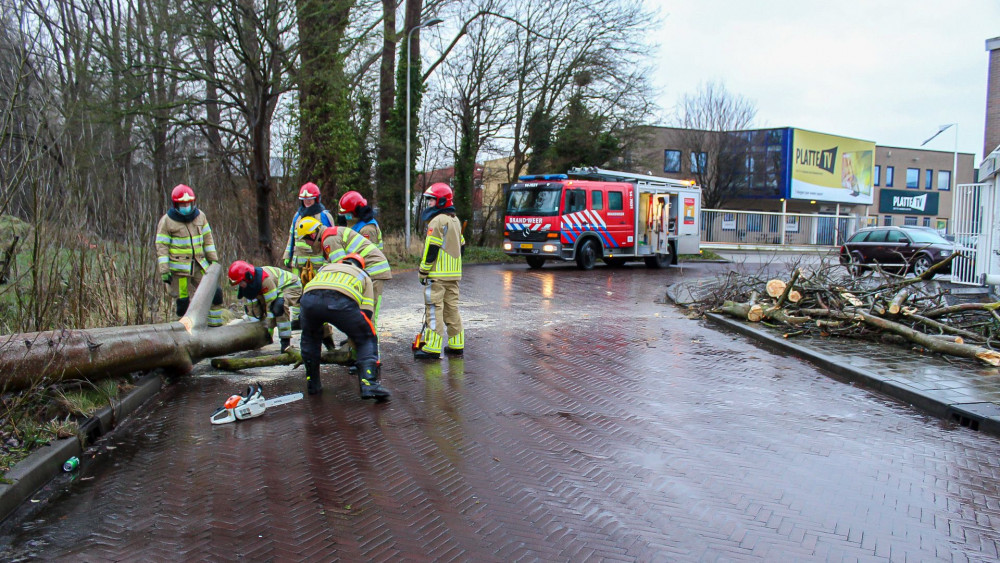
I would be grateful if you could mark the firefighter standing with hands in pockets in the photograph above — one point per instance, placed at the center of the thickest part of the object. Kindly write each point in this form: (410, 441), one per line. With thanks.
(440, 272)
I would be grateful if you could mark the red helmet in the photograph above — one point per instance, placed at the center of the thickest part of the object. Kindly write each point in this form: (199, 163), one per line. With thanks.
(350, 201)
(309, 190)
(240, 271)
(441, 193)
(182, 194)
(358, 260)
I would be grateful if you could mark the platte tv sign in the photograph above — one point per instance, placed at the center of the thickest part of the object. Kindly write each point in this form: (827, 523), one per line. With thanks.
(831, 168)
(908, 202)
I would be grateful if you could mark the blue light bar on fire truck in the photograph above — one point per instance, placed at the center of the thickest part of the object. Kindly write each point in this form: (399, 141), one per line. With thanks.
(536, 177)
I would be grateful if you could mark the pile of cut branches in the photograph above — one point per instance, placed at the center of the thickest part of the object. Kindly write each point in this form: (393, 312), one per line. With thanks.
(827, 301)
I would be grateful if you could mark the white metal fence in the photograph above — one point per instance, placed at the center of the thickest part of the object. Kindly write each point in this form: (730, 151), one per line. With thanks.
(768, 228)
(972, 207)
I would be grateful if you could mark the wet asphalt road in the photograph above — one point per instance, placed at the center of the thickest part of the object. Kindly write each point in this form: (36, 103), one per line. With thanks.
(587, 421)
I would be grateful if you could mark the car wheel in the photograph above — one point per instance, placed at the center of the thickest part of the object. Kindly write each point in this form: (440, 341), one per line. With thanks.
(922, 264)
(535, 262)
(586, 255)
(854, 264)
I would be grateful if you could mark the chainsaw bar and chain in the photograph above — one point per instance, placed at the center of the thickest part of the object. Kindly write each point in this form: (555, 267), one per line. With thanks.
(239, 407)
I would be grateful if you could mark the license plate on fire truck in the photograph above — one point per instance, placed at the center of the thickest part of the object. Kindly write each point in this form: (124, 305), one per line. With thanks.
(525, 245)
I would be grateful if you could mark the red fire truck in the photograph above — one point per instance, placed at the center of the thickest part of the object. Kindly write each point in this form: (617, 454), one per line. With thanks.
(590, 213)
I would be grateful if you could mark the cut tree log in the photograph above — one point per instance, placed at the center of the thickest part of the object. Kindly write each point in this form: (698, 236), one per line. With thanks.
(775, 287)
(787, 289)
(896, 305)
(291, 356)
(31, 358)
(756, 313)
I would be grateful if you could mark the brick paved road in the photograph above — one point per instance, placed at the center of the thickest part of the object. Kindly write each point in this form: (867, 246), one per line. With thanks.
(587, 422)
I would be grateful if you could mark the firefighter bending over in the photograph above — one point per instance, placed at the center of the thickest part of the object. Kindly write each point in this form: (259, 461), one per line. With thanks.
(440, 272)
(341, 294)
(270, 294)
(336, 242)
(185, 249)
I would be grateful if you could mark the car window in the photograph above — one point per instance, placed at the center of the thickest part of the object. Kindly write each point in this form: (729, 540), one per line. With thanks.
(926, 237)
(896, 236)
(859, 236)
(876, 236)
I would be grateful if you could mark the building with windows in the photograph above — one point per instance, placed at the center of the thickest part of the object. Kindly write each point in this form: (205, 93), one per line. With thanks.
(797, 171)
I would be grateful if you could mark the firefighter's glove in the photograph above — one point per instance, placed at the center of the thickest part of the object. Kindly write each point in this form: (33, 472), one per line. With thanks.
(278, 307)
(166, 277)
(423, 279)
(288, 263)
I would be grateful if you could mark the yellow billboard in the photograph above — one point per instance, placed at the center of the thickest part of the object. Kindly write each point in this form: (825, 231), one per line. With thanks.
(831, 168)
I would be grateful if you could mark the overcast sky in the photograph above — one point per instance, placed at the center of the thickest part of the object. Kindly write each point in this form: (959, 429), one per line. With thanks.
(884, 71)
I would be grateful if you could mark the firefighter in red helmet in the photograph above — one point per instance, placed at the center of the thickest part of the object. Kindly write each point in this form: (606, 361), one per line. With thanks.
(354, 207)
(185, 248)
(269, 293)
(440, 272)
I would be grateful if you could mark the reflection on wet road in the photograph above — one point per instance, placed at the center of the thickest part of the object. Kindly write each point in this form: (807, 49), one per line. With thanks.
(586, 421)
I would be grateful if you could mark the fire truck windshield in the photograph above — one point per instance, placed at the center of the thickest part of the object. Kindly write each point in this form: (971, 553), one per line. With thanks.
(534, 200)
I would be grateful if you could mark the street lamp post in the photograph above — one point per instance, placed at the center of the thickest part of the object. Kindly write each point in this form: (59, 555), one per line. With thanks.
(409, 38)
(954, 161)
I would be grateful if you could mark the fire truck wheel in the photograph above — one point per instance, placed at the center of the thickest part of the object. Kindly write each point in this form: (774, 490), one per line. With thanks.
(535, 262)
(658, 261)
(586, 255)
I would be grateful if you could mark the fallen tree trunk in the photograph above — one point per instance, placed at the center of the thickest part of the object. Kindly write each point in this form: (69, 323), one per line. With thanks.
(755, 313)
(929, 341)
(291, 356)
(32, 358)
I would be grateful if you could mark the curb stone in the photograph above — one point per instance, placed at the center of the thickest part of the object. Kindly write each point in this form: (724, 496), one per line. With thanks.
(35, 471)
(977, 416)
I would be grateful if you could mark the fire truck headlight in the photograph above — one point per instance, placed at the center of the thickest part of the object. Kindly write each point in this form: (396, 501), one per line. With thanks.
(549, 248)
(507, 246)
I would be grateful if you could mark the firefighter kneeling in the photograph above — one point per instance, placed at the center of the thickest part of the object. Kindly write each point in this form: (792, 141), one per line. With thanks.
(341, 294)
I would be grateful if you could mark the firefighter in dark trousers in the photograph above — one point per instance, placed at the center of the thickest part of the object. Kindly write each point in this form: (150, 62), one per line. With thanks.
(440, 272)
(185, 248)
(341, 294)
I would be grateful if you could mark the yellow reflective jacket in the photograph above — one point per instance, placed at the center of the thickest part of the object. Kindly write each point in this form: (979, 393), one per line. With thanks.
(445, 232)
(180, 246)
(347, 279)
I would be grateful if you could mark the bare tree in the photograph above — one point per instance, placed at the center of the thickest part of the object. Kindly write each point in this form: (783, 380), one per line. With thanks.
(712, 119)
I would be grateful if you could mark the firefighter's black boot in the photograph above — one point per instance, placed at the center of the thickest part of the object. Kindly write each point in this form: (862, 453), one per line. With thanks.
(285, 343)
(182, 305)
(328, 343)
(421, 354)
(313, 384)
(371, 387)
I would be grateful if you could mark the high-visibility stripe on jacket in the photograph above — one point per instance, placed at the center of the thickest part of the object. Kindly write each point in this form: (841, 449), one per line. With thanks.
(179, 246)
(347, 279)
(445, 232)
(300, 252)
(347, 241)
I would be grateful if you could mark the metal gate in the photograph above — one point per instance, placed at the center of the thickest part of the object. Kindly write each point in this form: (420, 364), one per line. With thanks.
(972, 212)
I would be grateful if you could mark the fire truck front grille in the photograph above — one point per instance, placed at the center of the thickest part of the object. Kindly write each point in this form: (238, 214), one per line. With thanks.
(528, 235)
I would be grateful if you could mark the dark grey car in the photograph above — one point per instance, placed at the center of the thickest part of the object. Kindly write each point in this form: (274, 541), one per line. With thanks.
(896, 248)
